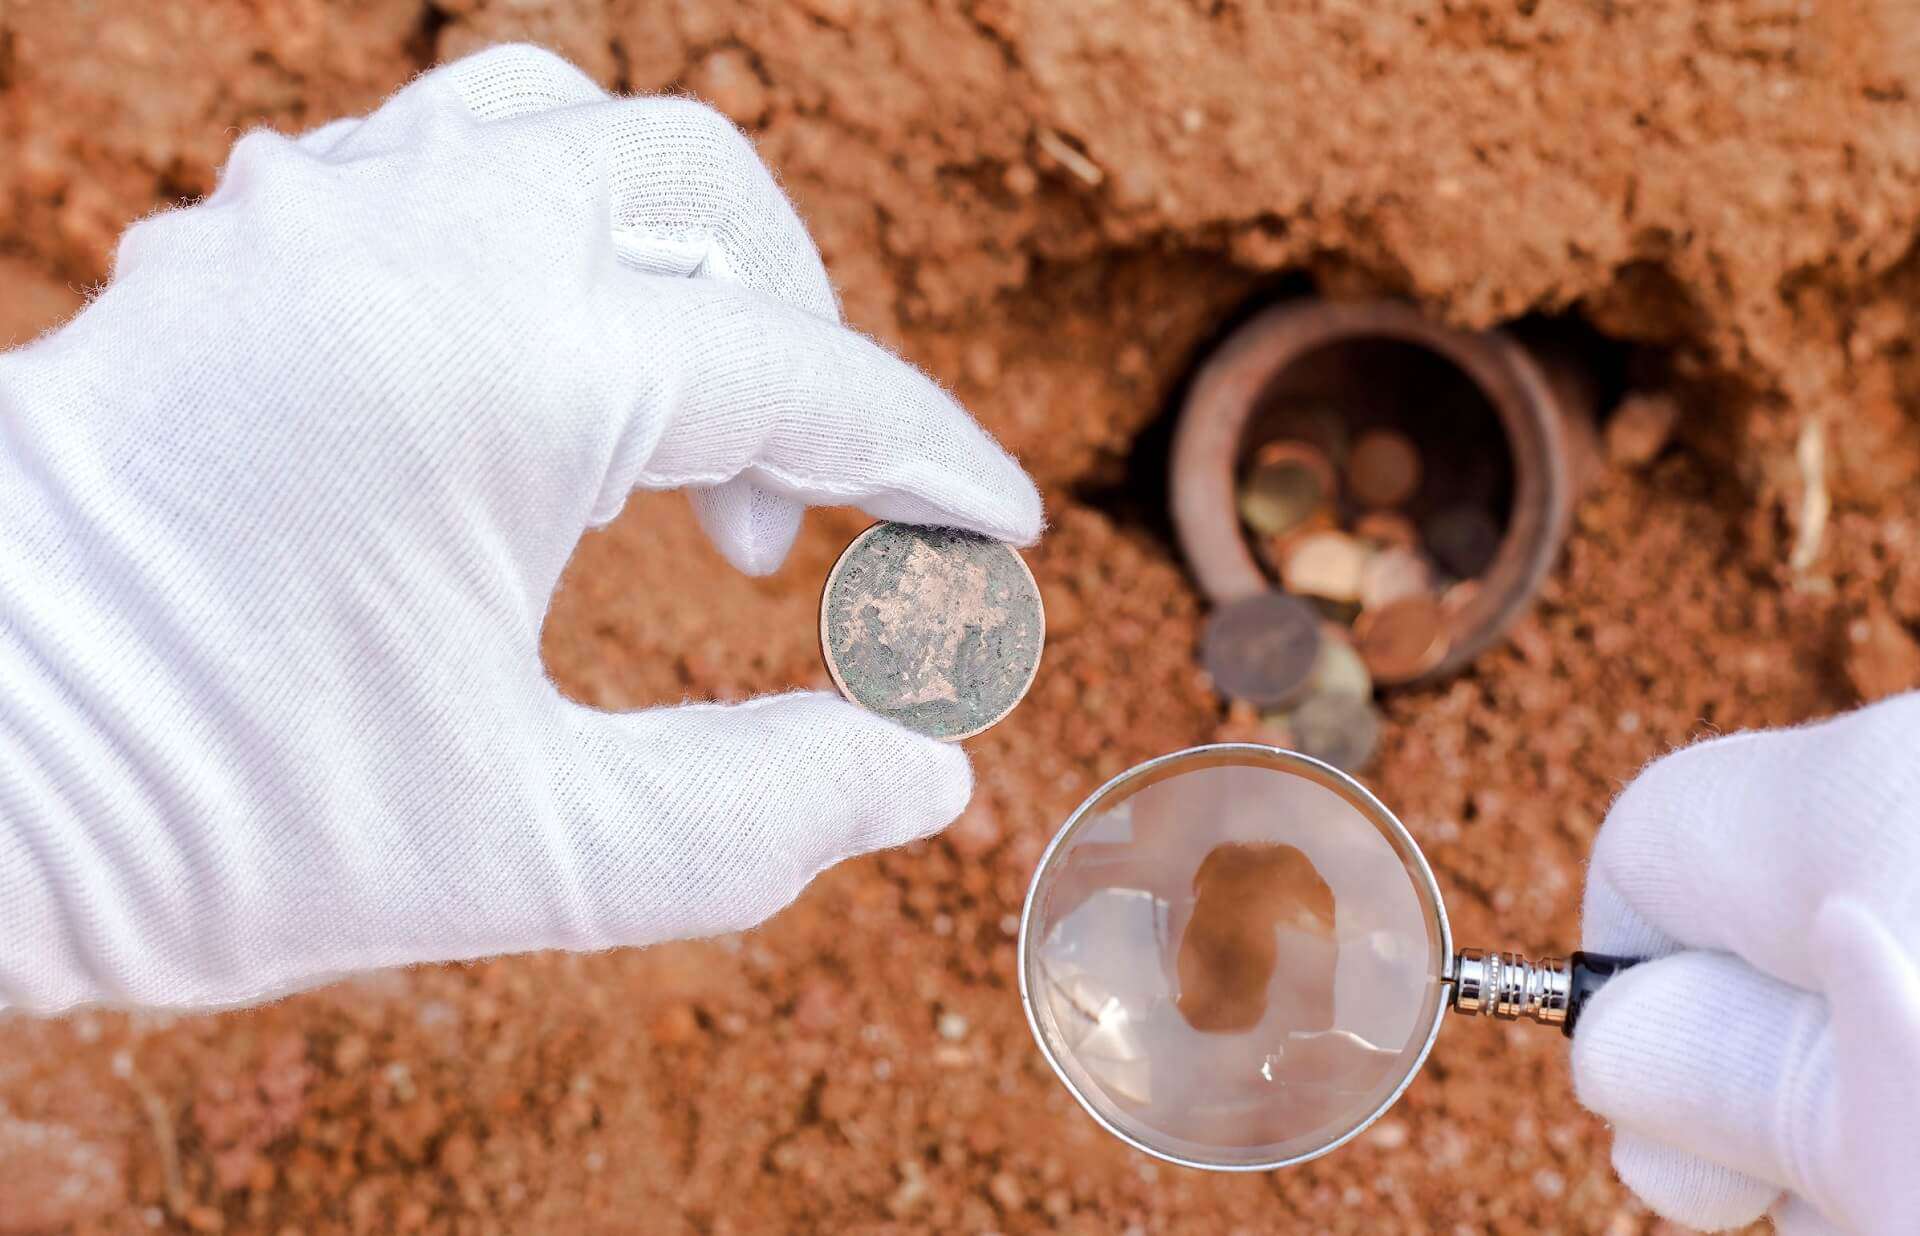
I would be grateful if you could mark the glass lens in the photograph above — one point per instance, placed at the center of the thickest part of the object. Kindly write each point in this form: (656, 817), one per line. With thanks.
(1233, 956)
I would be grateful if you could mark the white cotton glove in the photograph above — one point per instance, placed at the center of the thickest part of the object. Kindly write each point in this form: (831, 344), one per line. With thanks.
(280, 516)
(1769, 1061)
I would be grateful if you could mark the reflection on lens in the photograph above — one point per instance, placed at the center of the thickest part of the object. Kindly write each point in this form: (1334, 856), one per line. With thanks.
(1233, 956)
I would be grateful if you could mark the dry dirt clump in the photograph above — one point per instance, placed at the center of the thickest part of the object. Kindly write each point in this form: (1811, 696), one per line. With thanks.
(1052, 206)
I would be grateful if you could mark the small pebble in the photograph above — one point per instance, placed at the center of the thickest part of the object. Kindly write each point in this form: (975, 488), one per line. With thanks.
(1639, 428)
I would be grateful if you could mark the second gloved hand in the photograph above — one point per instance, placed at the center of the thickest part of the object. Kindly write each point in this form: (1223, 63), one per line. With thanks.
(282, 510)
(1768, 1059)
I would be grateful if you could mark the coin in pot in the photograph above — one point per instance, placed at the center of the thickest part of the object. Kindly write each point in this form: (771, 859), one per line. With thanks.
(1285, 484)
(1403, 640)
(1325, 564)
(1391, 574)
(1340, 730)
(1383, 468)
(936, 628)
(1262, 648)
(1463, 538)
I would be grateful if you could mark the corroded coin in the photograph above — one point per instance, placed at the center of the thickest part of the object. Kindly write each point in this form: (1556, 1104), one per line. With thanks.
(1391, 574)
(935, 628)
(1325, 564)
(1464, 538)
(1384, 469)
(1343, 731)
(1285, 484)
(1262, 649)
(1340, 671)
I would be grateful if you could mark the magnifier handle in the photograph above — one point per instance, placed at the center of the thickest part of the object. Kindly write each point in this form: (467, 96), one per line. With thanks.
(1590, 972)
(1550, 991)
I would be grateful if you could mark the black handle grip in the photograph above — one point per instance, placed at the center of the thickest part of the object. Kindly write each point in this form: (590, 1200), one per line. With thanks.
(1590, 972)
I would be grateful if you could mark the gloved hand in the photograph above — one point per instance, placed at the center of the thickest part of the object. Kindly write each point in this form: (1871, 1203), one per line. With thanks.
(281, 513)
(1769, 1061)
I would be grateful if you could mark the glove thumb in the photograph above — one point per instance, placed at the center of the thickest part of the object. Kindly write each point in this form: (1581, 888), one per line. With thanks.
(708, 818)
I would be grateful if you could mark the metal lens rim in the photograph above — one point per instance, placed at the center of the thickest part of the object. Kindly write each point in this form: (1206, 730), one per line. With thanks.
(1286, 761)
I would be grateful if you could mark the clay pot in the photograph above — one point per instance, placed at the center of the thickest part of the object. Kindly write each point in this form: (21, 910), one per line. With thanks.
(1379, 359)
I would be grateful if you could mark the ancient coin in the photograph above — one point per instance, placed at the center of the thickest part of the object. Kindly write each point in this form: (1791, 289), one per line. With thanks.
(1464, 538)
(936, 628)
(1285, 484)
(1262, 648)
(1391, 574)
(1325, 564)
(1339, 671)
(1340, 730)
(1403, 640)
(1383, 469)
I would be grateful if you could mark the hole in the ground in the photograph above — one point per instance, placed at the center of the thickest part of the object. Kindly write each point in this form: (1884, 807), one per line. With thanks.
(1592, 369)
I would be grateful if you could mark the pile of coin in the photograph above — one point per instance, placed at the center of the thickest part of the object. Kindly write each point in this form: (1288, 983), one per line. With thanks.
(1371, 561)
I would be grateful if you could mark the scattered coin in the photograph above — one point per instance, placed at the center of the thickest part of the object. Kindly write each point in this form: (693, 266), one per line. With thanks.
(1383, 469)
(1464, 539)
(1287, 483)
(1339, 671)
(1342, 731)
(1403, 640)
(1325, 564)
(1262, 648)
(1391, 574)
(936, 628)
(1384, 528)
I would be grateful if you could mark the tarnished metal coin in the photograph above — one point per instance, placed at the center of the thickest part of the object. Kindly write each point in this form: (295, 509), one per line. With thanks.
(1341, 730)
(936, 628)
(1384, 469)
(1391, 574)
(1464, 538)
(1262, 649)
(1325, 564)
(1340, 671)
(1285, 484)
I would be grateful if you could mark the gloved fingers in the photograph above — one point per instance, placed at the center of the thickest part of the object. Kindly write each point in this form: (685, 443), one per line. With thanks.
(1609, 925)
(322, 140)
(1874, 995)
(497, 83)
(1702, 1052)
(752, 526)
(1734, 844)
(516, 79)
(742, 387)
(1688, 1189)
(707, 818)
(689, 195)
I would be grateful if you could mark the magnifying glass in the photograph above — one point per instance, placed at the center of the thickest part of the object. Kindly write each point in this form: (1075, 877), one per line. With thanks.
(1236, 959)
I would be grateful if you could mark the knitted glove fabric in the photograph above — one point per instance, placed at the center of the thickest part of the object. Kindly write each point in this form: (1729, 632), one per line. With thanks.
(1769, 1060)
(282, 510)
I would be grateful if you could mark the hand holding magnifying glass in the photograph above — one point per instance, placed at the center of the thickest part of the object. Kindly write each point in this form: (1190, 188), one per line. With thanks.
(1236, 958)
